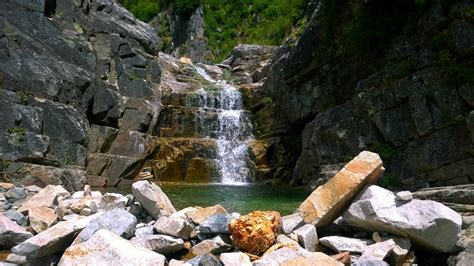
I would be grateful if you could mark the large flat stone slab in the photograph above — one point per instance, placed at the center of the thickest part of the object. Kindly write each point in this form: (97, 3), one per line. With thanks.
(328, 201)
(427, 223)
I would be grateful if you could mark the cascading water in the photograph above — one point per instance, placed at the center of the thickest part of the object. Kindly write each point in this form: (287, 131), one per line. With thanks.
(232, 128)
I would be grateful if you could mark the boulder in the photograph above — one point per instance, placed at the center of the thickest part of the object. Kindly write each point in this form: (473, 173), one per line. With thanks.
(328, 201)
(216, 224)
(216, 245)
(206, 259)
(47, 197)
(117, 221)
(41, 218)
(255, 232)
(295, 256)
(16, 216)
(200, 215)
(144, 231)
(427, 223)
(173, 226)
(158, 243)
(55, 239)
(235, 259)
(307, 237)
(11, 233)
(291, 222)
(107, 248)
(152, 198)
(342, 244)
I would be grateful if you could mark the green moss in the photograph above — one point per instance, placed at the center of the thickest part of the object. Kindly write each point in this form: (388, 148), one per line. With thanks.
(16, 136)
(267, 100)
(452, 70)
(144, 10)
(23, 97)
(405, 68)
(385, 150)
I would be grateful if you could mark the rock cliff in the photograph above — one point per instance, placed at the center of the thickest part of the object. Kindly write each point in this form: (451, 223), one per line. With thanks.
(394, 78)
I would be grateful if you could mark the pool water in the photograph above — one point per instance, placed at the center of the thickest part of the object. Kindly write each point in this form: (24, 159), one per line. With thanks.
(236, 198)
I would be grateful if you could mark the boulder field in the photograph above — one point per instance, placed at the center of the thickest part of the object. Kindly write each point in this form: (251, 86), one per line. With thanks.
(364, 224)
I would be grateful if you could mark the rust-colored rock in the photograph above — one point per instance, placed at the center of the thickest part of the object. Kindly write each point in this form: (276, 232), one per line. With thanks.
(255, 232)
(328, 201)
(343, 257)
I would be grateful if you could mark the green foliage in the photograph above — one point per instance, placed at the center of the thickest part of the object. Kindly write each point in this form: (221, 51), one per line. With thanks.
(16, 136)
(267, 100)
(385, 150)
(23, 97)
(185, 7)
(144, 10)
(452, 70)
(389, 181)
(229, 23)
(405, 68)
(68, 160)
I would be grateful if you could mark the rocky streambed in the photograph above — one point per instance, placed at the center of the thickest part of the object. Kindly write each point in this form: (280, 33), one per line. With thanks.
(347, 221)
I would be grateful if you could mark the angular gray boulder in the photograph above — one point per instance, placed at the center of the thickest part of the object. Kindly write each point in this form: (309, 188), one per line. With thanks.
(426, 223)
(307, 237)
(107, 248)
(117, 221)
(152, 198)
(158, 243)
(173, 226)
(11, 233)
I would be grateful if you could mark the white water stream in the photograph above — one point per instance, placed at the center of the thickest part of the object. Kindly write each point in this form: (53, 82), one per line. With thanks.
(232, 130)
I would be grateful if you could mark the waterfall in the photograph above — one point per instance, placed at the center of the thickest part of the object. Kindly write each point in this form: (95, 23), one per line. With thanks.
(232, 128)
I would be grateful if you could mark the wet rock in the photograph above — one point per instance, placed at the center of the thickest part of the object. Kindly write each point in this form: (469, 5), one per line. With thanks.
(109, 201)
(41, 218)
(294, 256)
(158, 243)
(117, 221)
(216, 245)
(173, 226)
(47, 197)
(17, 217)
(216, 224)
(198, 216)
(11, 233)
(255, 232)
(152, 198)
(291, 222)
(327, 202)
(206, 259)
(55, 239)
(341, 244)
(235, 259)
(107, 248)
(307, 237)
(426, 223)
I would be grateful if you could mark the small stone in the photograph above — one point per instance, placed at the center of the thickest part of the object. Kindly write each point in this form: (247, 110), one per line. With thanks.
(376, 237)
(404, 196)
(377, 251)
(107, 248)
(80, 194)
(173, 226)
(235, 259)
(255, 232)
(17, 259)
(33, 188)
(158, 243)
(152, 199)
(343, 258)
(329, 201)
(41, 218)
(283, 239)
(15, 194)
(341, 244)
(307, 237)
(174, 262)
(11, 233)
(198, 216)
(6, 186)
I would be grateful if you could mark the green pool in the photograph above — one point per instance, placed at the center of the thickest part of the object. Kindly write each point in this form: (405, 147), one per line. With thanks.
(241, 198)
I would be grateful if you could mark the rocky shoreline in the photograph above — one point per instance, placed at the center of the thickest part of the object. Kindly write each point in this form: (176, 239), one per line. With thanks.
(347, 221)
